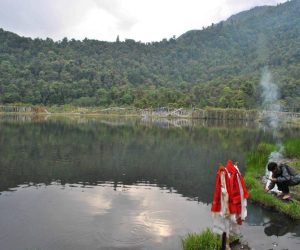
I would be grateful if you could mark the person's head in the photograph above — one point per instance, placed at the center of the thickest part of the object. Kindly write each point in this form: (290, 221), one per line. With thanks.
(272, 166)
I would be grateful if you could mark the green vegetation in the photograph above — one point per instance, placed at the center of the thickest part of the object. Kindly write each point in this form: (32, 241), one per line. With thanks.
(71, 109)
(256, 163)
(205, 113)
(206, 240)
(292, 148)
(218, 66)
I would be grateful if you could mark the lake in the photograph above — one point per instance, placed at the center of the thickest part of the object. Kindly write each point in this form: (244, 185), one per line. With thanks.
(118, 183)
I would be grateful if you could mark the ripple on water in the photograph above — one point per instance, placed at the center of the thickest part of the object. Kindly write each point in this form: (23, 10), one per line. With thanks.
(124, 233)
(161, 222)
(137, 229)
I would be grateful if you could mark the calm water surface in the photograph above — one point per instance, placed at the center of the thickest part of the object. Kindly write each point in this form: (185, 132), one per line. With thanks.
(99, 183)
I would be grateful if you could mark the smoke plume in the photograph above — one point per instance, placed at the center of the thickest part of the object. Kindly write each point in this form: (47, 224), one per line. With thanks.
(270, 102)
(271, 108)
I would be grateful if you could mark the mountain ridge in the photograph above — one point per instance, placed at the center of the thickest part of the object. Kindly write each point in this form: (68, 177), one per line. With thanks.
(199, 68)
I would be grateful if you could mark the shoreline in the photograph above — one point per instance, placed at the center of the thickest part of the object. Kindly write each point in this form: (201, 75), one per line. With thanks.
(163, 112)
(255, 170)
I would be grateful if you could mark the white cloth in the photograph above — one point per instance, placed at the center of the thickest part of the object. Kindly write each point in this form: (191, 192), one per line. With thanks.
(223, 221)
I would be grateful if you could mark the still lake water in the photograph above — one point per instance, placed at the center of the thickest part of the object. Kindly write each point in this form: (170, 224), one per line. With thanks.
(111, 184)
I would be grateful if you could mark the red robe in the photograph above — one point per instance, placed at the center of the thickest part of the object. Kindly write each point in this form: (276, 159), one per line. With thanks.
(232, 175)
(216, 204)
(235, 204)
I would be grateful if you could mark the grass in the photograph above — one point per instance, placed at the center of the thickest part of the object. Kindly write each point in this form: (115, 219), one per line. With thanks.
(292, 148)
(206, 240)
(256, 162)
(68, 108)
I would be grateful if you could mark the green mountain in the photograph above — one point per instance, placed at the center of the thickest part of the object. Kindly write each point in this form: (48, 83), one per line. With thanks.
(218, 66)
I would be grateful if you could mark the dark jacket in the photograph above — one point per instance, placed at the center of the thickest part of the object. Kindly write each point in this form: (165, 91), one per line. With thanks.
(286, 174)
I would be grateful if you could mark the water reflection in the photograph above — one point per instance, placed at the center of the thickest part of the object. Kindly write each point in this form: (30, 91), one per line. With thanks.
(266, 229)
(78, 217)
(277, 228)
(273, 223)
(70, 152)
(127, 181)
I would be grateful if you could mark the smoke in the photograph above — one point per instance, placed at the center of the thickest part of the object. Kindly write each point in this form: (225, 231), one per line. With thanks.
(270, 101)
(270, 90)
(275, 156)
(271, 108)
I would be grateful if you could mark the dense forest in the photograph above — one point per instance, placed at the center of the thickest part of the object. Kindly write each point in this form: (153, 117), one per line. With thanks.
(218, 66)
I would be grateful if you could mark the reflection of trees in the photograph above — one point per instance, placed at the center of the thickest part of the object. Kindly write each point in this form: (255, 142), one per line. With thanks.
(185, 159)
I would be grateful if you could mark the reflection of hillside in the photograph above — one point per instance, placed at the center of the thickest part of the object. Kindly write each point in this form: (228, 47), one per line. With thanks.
(177, 122)
(164, 122)
(185, 159)
(23, 118)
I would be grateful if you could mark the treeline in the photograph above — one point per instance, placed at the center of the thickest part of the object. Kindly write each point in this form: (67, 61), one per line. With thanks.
(218, 66)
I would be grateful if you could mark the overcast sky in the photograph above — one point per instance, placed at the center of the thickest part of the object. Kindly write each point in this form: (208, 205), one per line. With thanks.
(141, 20)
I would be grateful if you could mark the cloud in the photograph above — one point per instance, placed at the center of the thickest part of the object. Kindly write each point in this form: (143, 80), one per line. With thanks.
(145, 20)
(41, 18)
(117, 8)
(231, 7)
(245, 3)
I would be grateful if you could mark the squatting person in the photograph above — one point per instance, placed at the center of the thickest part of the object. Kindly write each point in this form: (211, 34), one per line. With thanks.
(283, 176)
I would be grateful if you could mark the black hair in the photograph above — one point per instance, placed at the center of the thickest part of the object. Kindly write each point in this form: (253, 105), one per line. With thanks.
(272, 165)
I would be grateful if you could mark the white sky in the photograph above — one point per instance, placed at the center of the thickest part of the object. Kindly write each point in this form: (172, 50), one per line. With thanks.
(141, 20)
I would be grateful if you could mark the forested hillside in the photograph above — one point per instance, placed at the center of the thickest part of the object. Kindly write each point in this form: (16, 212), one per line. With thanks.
(217, 66)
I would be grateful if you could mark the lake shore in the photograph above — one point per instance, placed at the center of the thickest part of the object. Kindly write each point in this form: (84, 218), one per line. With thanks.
(161, 112)
(255, 172)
